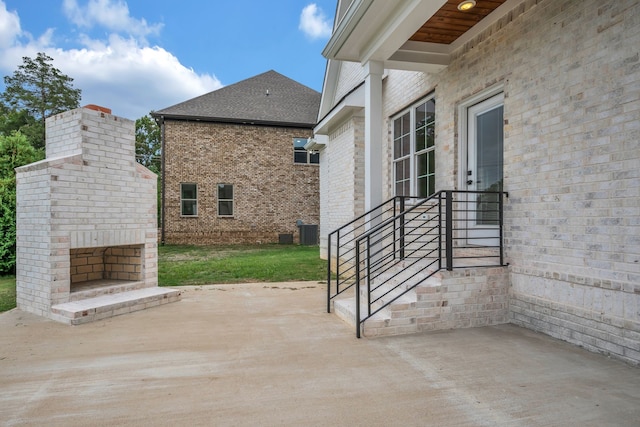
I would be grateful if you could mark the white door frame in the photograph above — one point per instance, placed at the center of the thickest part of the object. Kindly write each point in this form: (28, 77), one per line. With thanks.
(463, 118)
(463, 155)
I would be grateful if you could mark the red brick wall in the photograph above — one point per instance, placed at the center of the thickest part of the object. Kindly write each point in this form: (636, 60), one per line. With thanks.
(270, 191)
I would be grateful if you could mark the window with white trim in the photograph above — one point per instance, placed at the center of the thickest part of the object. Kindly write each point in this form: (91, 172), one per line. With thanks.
(188, 199)
(300, 155)
(225, 199)
(414, 150)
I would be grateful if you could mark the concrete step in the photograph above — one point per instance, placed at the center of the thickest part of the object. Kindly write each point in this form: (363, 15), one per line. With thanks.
(345, 309)
(105, 306)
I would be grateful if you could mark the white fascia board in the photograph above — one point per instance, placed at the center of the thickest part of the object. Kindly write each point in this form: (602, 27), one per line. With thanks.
(351, 105)
(413, 65)
(343, 31)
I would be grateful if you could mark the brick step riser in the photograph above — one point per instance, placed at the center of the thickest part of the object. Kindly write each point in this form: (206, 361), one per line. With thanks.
(107, 310)
(347, 311)
(462, 298)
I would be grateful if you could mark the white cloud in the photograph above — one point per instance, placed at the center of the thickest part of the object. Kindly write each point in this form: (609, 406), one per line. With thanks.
(120, 72)
(110, 14)
(314, 23)
(131, 79)
(9, 26)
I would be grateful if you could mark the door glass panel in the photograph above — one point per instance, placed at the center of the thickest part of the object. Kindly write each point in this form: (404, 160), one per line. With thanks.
(489, 151)
(489, 146)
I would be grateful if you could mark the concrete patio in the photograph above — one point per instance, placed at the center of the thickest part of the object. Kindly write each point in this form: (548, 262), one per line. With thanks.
(267, 355)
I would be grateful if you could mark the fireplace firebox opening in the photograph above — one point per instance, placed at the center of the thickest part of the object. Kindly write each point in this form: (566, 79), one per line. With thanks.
(105, 265)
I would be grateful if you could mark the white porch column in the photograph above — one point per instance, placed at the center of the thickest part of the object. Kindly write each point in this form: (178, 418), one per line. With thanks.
(373, 134)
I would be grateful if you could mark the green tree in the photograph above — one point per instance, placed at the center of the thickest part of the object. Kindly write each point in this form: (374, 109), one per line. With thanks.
(149, 151)
(148, 143)
(41, 90)
(15, 151)
(19, 121)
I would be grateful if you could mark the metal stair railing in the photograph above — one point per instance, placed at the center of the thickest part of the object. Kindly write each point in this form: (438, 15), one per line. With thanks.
(340, 245)
(428, 237)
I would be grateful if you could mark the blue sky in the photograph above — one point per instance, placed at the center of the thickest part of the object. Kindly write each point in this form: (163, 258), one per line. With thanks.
(141, 55)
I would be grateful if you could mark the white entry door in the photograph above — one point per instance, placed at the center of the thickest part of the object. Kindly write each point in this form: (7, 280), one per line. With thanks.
(485, 137)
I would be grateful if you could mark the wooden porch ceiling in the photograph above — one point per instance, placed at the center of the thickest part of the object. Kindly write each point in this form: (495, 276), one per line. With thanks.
(416, 35)
(449, 23)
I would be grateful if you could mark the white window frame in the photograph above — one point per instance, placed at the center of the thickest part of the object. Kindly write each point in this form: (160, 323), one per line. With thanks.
(413, 154)
(182, 200)
(232, 200)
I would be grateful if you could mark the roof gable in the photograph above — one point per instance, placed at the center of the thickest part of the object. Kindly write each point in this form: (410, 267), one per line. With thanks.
(268, 98)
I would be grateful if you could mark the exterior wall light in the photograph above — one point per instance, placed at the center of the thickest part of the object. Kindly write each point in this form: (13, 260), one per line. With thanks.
(466, 5)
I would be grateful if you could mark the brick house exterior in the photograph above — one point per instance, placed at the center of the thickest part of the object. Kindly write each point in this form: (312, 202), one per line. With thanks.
(241, 136)
(566, 76)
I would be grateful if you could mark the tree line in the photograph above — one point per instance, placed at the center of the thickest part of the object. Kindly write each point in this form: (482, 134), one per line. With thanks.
(35, 91)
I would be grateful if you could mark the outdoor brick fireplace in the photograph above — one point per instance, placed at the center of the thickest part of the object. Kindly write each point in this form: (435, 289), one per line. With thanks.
(86, 223)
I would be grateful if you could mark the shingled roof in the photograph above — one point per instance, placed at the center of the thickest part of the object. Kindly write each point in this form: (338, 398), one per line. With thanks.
(268, 98)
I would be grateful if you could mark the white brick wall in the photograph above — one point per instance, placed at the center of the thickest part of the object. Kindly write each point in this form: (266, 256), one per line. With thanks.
(571, 77)
(343, 161)
(89, 192)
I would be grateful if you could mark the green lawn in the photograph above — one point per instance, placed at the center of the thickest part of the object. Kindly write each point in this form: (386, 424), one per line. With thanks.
(198, 265)
(7, 293)
(202, 265)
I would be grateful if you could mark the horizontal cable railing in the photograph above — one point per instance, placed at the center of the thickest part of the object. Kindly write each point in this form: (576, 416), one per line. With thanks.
(451, 229)
(340, 245)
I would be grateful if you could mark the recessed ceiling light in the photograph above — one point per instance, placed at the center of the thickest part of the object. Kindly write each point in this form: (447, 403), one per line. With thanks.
(466, 5)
